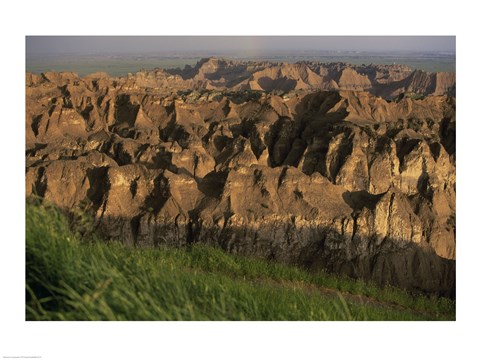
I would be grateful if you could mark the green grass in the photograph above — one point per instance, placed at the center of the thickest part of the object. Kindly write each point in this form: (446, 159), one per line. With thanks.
(69, 277)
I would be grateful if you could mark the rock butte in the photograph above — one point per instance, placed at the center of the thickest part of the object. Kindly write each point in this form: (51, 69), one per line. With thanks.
(330, 166)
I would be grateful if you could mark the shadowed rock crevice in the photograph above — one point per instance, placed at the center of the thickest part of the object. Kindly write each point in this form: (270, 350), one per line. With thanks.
(97, 177)
(36, 124)
(284, 83)
(158, 197)
(357, 200)
(448, 135)
(40, 185)
(213, 183)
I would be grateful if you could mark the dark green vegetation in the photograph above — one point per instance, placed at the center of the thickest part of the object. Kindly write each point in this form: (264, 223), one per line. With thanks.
(74, 277)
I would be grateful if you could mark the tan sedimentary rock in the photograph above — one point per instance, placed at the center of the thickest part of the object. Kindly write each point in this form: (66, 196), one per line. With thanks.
(343, 180)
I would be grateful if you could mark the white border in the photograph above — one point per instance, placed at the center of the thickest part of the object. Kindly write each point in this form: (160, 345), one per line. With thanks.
(150, 340)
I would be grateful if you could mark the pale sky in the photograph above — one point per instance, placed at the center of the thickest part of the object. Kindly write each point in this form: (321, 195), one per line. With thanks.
(256, 44)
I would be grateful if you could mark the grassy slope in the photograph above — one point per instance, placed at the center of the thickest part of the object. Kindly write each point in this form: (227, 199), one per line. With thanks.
(71, 279)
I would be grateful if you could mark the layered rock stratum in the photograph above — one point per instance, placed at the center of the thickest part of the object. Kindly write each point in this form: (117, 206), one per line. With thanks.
(330, 166)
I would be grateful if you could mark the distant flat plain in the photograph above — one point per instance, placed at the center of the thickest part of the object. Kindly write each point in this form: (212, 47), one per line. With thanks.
(122, 64)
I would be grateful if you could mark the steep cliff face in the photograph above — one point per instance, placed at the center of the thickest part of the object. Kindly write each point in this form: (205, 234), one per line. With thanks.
(342, 180)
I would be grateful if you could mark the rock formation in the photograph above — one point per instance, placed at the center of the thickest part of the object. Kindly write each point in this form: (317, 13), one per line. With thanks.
(301, 163)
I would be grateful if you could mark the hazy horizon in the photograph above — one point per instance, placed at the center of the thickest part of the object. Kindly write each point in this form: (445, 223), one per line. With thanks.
(250, 45)
(120, 55)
